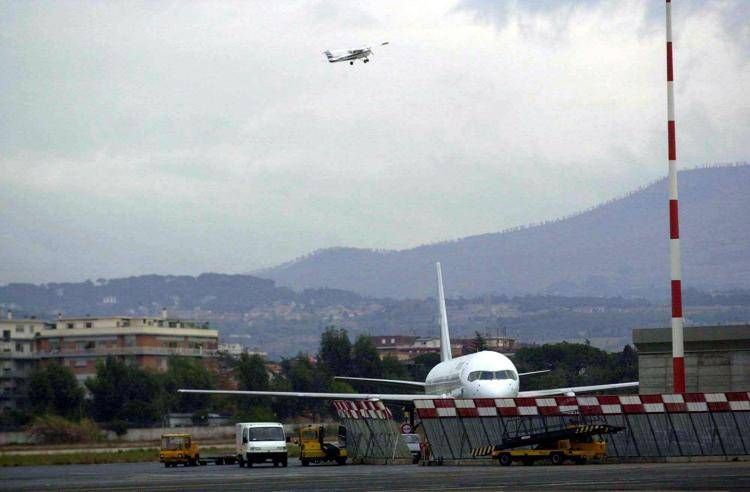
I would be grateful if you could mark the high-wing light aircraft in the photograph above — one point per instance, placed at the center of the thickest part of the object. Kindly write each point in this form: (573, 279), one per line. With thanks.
(350, 55)
(484, 374)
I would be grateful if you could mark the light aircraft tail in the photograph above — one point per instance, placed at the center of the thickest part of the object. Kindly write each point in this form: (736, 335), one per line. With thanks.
(445, 341)
(329, 55)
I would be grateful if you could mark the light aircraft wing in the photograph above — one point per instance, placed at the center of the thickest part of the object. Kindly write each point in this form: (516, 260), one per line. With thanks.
(576, 389)
(394, 382)
(533, 372)
(324, 396)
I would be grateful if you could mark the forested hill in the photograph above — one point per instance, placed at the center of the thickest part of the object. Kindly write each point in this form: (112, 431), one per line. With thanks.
(149, 293)
(617, 248)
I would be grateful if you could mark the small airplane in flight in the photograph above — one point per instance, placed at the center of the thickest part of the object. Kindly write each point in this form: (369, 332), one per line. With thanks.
(484, 374)
(351, 55)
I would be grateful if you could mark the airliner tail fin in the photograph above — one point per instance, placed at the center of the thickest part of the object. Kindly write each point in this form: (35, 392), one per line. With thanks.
(445, 341)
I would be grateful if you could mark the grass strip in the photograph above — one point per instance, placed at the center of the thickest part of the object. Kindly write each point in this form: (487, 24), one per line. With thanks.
(79, 458)
(91, 458)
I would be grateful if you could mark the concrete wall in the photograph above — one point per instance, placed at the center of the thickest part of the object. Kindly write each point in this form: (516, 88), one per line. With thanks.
(717, 359)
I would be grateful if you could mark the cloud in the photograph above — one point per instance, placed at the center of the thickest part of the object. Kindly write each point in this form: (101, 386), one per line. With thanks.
(190, 137)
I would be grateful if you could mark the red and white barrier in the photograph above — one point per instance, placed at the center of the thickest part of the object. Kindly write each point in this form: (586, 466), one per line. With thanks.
(362, 410)
(585, 405)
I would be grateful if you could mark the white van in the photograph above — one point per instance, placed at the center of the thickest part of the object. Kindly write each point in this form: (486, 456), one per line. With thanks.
(258, 442)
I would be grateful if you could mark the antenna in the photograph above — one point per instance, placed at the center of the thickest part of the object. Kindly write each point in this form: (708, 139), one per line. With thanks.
(445, 341)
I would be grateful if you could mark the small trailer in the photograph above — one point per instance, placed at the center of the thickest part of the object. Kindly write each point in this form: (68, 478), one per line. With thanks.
(181, 449)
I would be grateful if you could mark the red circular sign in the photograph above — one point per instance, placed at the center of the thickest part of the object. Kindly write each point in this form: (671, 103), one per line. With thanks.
(405, 428)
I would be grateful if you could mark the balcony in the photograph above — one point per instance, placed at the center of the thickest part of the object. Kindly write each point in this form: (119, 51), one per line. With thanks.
(105, 351)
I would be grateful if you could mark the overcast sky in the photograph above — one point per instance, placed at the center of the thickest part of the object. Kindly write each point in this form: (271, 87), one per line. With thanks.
(186, 137)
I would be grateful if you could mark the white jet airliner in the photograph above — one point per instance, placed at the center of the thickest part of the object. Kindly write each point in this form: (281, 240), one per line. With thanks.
(350, 55)
(484, 374)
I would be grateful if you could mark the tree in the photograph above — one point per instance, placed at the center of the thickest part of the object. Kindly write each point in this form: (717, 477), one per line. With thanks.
(479, 343)
(124, 393)
(252, 376)
(423, 363)
(303, 375)
(392, 368)
(335, 351)
(187, 372)
(367, 363)
(54, 389)
(251, 373)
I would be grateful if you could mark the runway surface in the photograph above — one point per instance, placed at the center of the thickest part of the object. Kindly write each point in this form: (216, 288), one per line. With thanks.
(151, 476)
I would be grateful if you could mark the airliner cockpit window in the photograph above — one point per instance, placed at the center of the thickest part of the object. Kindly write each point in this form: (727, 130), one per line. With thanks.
(490, 375)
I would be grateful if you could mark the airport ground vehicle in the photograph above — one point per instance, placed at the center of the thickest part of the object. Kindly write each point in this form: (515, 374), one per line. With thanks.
(260, 442)
(314, 449)
(414, 443)
(182, 449)
(179, 449)
(577, 443)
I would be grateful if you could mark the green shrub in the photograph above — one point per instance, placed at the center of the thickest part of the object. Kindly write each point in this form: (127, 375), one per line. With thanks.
(52, 429)
(119, 427)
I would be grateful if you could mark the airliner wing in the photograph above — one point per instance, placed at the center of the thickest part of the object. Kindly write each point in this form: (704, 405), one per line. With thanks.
(325, 396)
(533, 372)
(394, 382)
(576, 389)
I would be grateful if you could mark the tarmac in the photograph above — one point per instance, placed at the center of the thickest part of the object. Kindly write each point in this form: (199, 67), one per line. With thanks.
(152, 476)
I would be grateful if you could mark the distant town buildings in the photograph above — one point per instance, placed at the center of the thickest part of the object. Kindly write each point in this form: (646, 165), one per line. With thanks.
(404, 347)
(237, 349)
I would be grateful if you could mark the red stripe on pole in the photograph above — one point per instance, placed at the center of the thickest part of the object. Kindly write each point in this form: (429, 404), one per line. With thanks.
(678, 368)
(674, 221)
(672, 141)
(676, 299)
(670, 72)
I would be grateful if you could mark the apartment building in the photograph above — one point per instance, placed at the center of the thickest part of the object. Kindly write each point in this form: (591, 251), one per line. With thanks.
(146, 341)
(17, 357)
(404, 347)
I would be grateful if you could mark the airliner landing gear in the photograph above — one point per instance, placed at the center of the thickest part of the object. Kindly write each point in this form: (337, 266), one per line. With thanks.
(366, 60)
(351, 63)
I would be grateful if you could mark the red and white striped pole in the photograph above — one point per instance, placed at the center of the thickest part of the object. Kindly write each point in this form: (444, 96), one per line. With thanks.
(678, 349)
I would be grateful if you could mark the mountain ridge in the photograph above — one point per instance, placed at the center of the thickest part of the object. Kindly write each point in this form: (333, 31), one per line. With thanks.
(715, 236)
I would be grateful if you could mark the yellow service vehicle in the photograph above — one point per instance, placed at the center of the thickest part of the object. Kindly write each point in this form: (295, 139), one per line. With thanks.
(313, 449)
(178, 449)
(578, 443)
(577, 451)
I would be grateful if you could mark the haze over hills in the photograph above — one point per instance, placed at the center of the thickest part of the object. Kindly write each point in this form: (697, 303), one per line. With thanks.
(617, 248)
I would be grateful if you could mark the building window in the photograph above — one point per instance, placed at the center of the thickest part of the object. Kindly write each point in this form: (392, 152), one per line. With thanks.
(81, 363)
(19, 328)
(393, 340)
(6, 335)
(19, 347)
(125, 323)
(382, 342)
(70, 326)
(89, 346)
(89, 324)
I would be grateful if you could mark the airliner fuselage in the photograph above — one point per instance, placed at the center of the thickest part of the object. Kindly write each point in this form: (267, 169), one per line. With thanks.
(481, 375)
